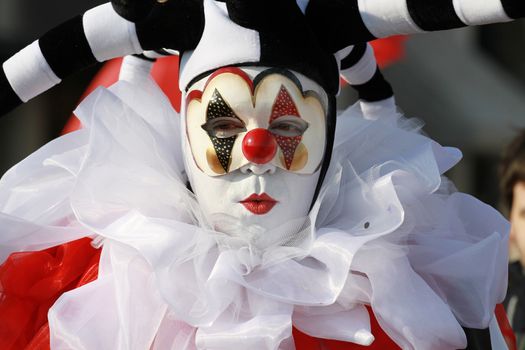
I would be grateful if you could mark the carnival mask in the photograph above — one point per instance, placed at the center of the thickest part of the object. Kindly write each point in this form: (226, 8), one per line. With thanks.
(256, 139)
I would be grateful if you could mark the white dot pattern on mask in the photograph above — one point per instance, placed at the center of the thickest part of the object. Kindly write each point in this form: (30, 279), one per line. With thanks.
(288, 145)
(217, 108)
(223, 149)
(284, 105)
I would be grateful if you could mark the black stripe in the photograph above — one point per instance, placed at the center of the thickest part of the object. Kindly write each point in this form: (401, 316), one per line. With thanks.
(66, 48)
(376, 89)
(175, 24)
(354, 56)
(9, 100)
(514, 8)
(145, 58)
(337, 23)
(132, 10)
(260, 77)
(163, 52)
(433, 15)
(286, 39)
(478, 339)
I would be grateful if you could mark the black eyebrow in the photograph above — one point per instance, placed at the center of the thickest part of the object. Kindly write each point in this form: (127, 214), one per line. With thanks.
(290, 75)
(282, 71)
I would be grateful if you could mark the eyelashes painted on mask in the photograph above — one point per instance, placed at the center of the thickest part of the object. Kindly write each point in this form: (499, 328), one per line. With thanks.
(222, 126)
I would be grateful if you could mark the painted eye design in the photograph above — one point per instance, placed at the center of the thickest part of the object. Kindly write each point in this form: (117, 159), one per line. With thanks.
(224, 127)
(288, 126)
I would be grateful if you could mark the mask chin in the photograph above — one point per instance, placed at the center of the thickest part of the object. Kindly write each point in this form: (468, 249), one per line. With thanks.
(228, 205)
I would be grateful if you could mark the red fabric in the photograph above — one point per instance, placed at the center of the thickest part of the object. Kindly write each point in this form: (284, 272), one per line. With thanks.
(381, 342)
(504, 326)
(389, 50)
(41, 339)
(30, 283)
(165, 71)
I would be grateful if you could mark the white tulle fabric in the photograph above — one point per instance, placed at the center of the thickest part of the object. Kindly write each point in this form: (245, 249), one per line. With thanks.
(387, 231)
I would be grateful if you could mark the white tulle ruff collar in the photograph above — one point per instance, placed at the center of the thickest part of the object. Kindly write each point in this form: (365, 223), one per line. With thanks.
(387, 231)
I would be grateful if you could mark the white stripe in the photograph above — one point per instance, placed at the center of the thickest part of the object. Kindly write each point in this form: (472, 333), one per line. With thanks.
(303, 4)
(497, 341)
(134, 69)
(477, 12)
(28, 72)
(223, 43)
(341, 54)
(511, 309)
(154, 54)
(378, 109)
(387, 17)
(363, 70)
(108, 34)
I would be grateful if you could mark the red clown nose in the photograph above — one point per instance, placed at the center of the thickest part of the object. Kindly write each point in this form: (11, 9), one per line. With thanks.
(259, 146)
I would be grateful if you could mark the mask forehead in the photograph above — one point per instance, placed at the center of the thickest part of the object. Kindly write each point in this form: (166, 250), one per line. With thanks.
(242, 100)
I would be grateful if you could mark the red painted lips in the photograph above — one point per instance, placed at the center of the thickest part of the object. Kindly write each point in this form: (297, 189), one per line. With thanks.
(259, 204)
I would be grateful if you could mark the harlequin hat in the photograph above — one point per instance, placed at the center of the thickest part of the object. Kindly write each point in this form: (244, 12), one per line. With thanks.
(301, 35)
(271, 33)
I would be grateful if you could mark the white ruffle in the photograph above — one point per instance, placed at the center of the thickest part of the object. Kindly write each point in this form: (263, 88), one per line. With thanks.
(387, 231)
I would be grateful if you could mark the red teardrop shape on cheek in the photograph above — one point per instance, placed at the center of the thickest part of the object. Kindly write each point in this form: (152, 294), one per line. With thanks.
(259, 146)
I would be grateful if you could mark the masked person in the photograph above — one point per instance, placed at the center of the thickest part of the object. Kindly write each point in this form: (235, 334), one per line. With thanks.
(512, 184)
(295, 232)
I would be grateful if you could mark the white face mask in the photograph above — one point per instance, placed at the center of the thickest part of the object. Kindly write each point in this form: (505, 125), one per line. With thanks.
(254, 146)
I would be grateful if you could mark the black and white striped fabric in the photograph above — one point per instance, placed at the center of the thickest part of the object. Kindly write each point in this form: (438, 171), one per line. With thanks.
(302, 35)
(97, 36)
(358, 67)
(344, 23)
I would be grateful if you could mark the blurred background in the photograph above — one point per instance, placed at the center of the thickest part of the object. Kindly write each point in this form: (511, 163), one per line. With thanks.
(467, 85)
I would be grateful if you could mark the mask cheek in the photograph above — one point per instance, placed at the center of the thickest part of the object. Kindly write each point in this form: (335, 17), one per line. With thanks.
(299, 161)
(232, 157)
(288, 146)
(213, 161)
